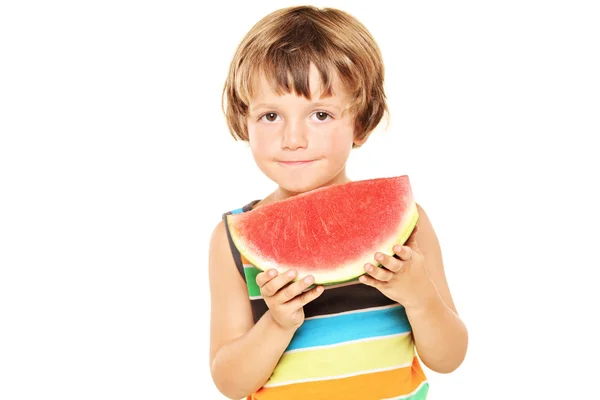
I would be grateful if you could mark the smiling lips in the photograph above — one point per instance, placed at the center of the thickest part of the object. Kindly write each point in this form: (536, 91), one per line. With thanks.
(292, 163)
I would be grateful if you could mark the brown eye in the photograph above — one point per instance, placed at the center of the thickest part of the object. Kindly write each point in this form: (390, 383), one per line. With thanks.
(321, 116)
(270, 117)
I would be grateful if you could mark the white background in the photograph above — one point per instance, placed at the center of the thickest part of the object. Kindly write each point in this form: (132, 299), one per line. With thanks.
(115, 165)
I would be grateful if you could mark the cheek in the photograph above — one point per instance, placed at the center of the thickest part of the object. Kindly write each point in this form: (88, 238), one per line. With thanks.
(338, 140)
(251, 131)
(261, 142)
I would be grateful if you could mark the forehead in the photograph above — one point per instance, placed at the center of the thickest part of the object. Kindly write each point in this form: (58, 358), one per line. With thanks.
(310, 84)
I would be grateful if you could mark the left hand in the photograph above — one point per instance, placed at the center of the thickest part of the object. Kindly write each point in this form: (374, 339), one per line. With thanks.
(403, 279)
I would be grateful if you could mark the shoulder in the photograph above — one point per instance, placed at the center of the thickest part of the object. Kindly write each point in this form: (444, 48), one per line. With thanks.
(425, 224)
(219, 236)
(224, 262)
(222, 250)
(420, 209)
(219, 244)
(220, 247)
(219, 232)
(427, 239)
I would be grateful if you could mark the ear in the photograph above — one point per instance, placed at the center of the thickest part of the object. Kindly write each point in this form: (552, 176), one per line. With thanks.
(360, 142)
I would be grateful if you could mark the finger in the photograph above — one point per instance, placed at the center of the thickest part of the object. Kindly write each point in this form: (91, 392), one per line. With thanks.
(308, 296)
(415, 230)
(294, 289)
(274, 285)
(265, 277)
(412, 239)
(381, 274)
(370, 281)
(389, 262)
(404, 252)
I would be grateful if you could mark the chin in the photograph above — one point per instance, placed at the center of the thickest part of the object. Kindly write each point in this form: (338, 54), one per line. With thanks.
(303, 184)
(298, 183)
(301, 179)
(298, 188)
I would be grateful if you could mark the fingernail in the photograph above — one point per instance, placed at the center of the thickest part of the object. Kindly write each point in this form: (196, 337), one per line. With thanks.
(308, 279)
(272, 272)
(368, 267)
(291, 274)
(378, 257)
(397, 249)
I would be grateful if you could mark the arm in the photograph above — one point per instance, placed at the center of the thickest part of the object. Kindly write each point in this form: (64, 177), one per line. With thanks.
(415, 278)
(242, 355)
(441, 337)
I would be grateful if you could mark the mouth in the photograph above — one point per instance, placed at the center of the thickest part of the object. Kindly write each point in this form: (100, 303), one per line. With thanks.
(296, 163)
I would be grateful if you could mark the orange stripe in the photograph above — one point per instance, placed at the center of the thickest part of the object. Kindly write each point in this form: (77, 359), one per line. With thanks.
(375, 385)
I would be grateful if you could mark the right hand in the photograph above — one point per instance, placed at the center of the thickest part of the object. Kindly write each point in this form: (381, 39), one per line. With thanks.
(286, 303)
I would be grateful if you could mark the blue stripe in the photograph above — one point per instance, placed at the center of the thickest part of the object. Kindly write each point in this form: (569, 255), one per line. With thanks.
(238, 210)
(334, 329)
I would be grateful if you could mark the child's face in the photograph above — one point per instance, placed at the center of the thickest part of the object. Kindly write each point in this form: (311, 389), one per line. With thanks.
(298, 143)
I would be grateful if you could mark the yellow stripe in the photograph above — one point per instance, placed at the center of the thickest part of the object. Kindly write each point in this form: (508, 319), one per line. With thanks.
(376, 385)
(344, 359)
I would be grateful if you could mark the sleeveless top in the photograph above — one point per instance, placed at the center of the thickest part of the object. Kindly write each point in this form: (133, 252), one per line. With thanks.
(355, 343)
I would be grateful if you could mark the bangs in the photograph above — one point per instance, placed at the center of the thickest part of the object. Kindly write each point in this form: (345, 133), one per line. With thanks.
(287, 70)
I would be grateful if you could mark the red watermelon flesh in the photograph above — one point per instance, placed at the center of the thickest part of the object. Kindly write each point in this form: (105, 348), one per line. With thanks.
(330, 232)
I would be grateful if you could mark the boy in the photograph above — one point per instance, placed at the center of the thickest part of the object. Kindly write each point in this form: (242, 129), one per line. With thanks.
(306, 87)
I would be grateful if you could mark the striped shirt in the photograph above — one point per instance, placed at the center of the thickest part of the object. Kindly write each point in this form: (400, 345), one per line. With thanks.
(355, 343)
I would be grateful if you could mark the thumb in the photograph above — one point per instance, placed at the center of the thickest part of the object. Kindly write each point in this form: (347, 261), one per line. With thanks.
(412, 239)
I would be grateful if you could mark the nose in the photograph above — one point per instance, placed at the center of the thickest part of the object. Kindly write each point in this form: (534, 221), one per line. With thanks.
(294, 136)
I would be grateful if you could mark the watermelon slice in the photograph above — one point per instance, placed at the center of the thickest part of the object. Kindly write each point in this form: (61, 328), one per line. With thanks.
(330, 232)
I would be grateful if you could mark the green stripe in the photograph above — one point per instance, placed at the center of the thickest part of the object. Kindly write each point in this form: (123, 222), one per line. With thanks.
(420, 394)
(251, 272)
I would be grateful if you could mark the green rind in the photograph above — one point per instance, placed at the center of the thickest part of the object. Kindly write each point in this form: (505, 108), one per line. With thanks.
(400, 239)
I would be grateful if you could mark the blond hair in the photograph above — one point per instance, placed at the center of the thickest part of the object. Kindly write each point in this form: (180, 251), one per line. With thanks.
(284, 43)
